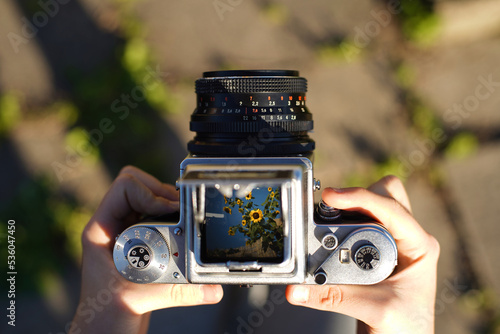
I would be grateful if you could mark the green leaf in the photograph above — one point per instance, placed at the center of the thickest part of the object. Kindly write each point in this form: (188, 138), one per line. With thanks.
(461, 146)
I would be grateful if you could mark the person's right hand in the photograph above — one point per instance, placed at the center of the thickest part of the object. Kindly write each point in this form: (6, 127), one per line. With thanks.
(404, 302)
(108, 302)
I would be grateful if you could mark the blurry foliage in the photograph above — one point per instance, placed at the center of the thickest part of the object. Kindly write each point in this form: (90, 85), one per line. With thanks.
(77, 138)
(462, 146)
(376, 171)
(10, 112)
(356, 180)
(31, 7)
(436, 176)
(48, 230)
(345, 51)
(422, 116)
(484, 304)
(49, 222)
(66, 111)
(129, 93)
(405, 75)
(71, 221)
(424, 120)
(137, 60)
(136, 56)
(475, 299)
(50, 286)
(419, 22)
(276, 13)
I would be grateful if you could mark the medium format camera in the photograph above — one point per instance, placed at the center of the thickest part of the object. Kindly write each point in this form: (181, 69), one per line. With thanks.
(247, 214)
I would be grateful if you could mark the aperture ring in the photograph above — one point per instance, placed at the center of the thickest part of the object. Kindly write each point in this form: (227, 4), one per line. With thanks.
(251, 126)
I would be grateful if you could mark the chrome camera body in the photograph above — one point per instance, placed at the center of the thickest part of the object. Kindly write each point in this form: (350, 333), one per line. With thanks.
(249, 218)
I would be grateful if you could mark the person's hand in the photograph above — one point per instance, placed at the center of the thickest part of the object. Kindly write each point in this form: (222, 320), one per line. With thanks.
(404, 302)
(108, 302)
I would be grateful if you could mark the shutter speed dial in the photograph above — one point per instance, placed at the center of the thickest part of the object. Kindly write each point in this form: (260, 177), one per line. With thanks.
(141, 254)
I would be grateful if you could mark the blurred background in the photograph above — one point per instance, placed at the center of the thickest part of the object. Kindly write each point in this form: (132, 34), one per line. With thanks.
(404, 87)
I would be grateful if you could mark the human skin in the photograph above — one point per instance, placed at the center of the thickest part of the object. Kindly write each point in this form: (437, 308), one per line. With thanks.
(404, 302)
(108, 302)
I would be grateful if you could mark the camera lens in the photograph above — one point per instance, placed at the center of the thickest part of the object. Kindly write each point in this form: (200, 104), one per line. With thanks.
(251, 113)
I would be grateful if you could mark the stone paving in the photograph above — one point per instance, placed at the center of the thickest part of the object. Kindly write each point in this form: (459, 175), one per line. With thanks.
(360, 119)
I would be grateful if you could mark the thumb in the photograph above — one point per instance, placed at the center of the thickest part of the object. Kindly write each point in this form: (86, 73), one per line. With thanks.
(160, 296)
(361, 302)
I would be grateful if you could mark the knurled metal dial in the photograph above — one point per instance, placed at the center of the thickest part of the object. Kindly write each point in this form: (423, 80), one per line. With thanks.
(141, 254)
(367, 257)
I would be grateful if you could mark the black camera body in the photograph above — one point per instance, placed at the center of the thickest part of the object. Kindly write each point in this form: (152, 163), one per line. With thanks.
(247, 214)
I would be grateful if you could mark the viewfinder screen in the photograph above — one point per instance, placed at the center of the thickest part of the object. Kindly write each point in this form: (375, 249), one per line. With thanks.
(243, 227)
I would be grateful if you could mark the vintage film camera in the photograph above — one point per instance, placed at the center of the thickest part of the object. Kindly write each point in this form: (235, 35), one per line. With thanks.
(247, 214)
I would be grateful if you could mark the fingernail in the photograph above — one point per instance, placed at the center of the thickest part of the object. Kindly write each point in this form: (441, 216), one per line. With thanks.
(300, 294)
(210, 293)
(337, 190)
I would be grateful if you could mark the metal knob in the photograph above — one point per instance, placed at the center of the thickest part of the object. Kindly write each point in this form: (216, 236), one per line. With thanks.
(141, 254)
(320, 278)
(316, 184)
(327, 212)
(329, 241)
(367, 257)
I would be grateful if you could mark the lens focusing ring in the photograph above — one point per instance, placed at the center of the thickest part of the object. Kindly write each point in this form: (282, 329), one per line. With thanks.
(251, 85)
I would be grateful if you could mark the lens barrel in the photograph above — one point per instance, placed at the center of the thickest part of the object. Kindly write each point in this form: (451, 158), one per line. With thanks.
(251, 113)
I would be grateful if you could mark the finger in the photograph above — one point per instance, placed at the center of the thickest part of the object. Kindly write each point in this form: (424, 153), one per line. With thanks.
(159, 296)
(409, 235)
(157, 187)
(130, 195)
(127, 198)
(364, 303)
(391, 186)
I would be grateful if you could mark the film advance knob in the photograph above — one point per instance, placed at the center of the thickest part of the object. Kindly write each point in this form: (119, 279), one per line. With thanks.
(141, 255)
